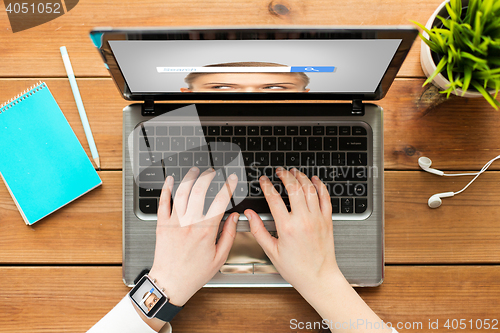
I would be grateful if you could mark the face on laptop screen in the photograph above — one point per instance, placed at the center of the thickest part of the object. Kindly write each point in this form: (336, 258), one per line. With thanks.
(307, 66)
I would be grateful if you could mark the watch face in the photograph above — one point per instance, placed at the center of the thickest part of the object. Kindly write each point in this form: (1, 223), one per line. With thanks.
(147, 297)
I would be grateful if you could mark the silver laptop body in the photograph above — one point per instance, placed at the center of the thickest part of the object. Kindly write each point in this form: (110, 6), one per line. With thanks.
(358, 229)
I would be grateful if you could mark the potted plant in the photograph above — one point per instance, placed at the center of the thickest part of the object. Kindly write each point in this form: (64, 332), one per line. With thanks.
(460, 50)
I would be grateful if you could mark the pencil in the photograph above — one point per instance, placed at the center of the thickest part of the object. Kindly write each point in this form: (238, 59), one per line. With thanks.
(79, 105)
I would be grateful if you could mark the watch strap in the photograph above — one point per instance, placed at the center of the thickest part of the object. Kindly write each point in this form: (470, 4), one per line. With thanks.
(168, 312)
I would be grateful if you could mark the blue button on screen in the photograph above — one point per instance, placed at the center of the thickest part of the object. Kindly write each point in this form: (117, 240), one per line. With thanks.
(313, 69)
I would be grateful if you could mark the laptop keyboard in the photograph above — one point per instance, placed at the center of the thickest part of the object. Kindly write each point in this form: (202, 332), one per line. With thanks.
(337, 153)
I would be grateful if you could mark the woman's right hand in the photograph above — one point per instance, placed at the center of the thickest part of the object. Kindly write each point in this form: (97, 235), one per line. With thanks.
(304, 252)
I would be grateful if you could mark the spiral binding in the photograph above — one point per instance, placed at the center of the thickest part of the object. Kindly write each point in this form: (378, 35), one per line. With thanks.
(16, 100)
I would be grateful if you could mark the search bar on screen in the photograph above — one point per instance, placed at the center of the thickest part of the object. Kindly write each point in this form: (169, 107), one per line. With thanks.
(289, 69)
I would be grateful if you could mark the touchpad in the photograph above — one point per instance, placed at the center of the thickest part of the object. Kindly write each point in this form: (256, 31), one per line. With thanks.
(246, 250)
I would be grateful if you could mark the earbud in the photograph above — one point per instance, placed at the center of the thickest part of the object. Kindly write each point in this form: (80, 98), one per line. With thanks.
(425, 163)
(435, 201)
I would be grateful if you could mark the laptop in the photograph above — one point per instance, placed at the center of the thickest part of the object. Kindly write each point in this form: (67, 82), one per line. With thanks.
(245, 101)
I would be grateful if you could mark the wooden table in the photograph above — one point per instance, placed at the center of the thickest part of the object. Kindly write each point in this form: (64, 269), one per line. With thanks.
(64, 273)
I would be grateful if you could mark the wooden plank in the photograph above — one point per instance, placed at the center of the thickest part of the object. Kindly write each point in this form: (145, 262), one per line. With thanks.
(72, 299)
(35, 52)
(86, 231)
(458, 134)
(464, 230)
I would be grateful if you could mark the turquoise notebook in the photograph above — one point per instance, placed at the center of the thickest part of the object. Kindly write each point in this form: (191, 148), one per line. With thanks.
(42, 163)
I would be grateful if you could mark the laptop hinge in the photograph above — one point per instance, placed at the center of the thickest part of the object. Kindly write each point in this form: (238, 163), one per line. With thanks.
(148, 108)
(358, 108)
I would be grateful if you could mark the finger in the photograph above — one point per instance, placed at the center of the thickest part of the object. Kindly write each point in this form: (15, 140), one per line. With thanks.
(295, 193)
(268, 243)
(198, 193)
(164, 208)
(182, 193)
(219, 205)
(308, 189)
(226, 238)
(324, 197)
(274, 200)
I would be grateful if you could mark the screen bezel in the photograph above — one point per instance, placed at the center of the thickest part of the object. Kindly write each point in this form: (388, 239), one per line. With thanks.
(102, 36)
(157, 306)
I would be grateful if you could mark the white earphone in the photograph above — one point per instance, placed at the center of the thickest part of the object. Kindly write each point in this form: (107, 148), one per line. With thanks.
(435, 200)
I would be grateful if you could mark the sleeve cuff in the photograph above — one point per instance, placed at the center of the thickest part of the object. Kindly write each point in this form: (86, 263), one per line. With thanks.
(123, 318)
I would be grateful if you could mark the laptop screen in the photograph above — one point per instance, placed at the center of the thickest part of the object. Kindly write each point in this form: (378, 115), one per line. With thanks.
(347, 66)
(262, 63)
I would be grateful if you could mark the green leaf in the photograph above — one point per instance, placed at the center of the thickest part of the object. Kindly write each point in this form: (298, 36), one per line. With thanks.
(467, 79)
(485, 94)
(439, 69)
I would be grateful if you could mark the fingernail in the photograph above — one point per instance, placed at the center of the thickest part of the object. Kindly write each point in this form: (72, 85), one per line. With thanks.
(279, 169)
(232, 176)
(294, 169)
(264, 177)
(193, 169)
(236, 218)
(315, 177)
(170, 180)
(249, 216)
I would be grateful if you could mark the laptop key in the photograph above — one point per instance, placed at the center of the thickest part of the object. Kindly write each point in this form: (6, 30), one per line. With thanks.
(174, 130)
(305, 130)
(330, 143)
(186, 159)
(279, 130)
(178, 144)
(262, 159)
(198, 131)
(170, 159)
(331, 130)
(248, 158)
(269, 143)
(266, 130)
(222, 144)
(292, 130)
(345, 130)
(213, 130)
(299, 143)
(147, 159)
(325, 174)
(240, 130)
(187, 130)
(146, 144)
(147, 130)
(338, 159)
(150, 189)
(193, 143)
(174, 172)
(335, 205)
(227, 130)
(163, 144)
(161, 131)
(350, 173)
(346, 205)
(218, 159)
(255, 190)
(241, 142)
(359, 130)
(151, 174)
(230, 157)
(318, 130)
(148, 206)
(277, 159)
(284, 143)
(357, 159)
(360, 190)
(292, 159)
(361, 205)
(254, 143)
(315, 143)
(253, 130)
(201, 159)
(323, 159)
(307, 159)
(353, 143)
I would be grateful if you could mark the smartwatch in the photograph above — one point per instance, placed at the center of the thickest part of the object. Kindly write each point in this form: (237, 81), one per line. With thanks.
(152, 301)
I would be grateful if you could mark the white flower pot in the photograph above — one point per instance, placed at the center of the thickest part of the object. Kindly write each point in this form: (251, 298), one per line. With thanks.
(428, 65)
